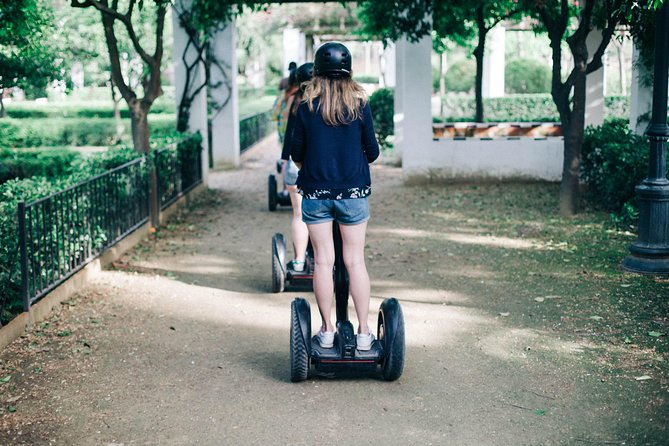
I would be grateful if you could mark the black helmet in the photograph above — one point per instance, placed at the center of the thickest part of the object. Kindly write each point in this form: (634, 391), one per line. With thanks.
(332, 59)
(305, 72)
(292, 77)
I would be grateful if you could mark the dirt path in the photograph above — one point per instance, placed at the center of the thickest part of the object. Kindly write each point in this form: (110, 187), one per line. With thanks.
(184, 344)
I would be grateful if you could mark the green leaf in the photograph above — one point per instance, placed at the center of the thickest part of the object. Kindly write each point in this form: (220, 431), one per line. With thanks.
(6, 379)
(540, 412)
(11, 409)
(64, 333)
(655, 334)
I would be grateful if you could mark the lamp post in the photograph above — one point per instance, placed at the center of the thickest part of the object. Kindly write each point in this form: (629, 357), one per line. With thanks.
(649, 254)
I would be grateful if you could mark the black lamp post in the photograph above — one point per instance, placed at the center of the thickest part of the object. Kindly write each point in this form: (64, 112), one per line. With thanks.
(649, 254)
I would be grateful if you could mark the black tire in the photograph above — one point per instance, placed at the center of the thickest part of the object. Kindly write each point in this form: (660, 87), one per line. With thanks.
(278, 263)
(300, 335)
(271, 193)
(390, 332)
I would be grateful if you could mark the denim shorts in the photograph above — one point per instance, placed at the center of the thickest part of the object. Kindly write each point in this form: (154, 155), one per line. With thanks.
(290, 174)
(347, 211)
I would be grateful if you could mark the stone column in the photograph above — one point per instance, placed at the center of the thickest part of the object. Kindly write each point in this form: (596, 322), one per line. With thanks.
(594, 85)
(223, 91)
(493, 63)
(641, 98)
(198, 110)
(413, 92)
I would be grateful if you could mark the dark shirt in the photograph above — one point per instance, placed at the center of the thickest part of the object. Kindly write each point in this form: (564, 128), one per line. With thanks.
(335, 159)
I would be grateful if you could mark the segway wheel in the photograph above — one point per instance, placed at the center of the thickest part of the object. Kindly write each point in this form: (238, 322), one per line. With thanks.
(300, 334)
(278, 263)
(271, 193)
(390, 332)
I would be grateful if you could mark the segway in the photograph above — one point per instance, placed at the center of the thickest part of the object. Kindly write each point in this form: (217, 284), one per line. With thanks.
(386, 354)
(276, 197)
(282, 276)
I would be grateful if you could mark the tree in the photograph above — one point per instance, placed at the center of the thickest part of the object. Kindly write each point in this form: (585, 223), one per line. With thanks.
(573, 23)
(27, 56)
(112, 15)
(451, 19)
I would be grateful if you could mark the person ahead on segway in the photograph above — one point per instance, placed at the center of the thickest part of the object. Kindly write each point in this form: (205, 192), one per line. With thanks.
(333, 143)
(298, 229)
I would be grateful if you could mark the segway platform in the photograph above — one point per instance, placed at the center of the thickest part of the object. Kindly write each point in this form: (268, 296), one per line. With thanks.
(282, 275)
(386, 354)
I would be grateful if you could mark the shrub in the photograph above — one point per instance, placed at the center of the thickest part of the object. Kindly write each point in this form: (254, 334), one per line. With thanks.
(382, 103)
(96, 109)
(461, 76)
(73, 131)
(522, 76)
(614, 162)
(30, 163)
(521, 108)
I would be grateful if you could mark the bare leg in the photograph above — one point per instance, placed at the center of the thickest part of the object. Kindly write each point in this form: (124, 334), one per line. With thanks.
(353, 238)
(298, 229)
(321, 239)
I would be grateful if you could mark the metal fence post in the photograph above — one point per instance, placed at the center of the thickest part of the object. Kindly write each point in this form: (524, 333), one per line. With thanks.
(154, 193)
(23, 247)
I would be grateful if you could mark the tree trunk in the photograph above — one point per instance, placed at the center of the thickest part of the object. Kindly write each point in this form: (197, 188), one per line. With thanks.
(3, 111)
(573, 127)
(479, 53)
(442, 82)
(140, 127)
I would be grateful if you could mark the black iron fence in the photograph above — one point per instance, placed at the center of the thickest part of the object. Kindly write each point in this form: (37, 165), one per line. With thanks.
(253, 128)
(178, 172)
(60, 234)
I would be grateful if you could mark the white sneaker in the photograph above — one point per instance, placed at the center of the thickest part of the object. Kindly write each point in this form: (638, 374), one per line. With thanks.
(364, 341)
(325, 338)
(296, 265)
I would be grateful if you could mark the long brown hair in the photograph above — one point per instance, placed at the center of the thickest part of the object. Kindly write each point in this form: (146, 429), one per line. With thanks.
(340, 99)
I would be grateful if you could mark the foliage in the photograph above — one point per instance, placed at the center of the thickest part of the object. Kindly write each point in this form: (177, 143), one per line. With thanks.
(72, 131)
(382, 103)
(31, 163)
(27, 55)
(615, 161)
(89, 109)
(147, 43)
(254, 127)
(523, 76)
(184, 147)
(522, 108)
(461, 76)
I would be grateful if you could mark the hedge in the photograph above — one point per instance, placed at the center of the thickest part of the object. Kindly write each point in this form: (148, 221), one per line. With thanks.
(91, 109)
(521, 108)
(30, 189)
(74, 131)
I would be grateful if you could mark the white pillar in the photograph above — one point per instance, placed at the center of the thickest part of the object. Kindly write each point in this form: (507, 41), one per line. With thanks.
(225, 123)
(294, 47)
(388, 66)
(594, 84)
(641, 98)
(493, 63)
(197, 120)
(413, 92)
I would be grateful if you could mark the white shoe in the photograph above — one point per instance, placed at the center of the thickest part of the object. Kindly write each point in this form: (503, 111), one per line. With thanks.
(364, 341)
(325, 338)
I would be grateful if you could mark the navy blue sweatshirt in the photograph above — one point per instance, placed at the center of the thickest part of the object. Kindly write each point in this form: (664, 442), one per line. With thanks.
(335, 159)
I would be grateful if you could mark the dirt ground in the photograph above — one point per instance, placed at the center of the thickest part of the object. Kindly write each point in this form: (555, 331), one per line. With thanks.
(516, 334)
